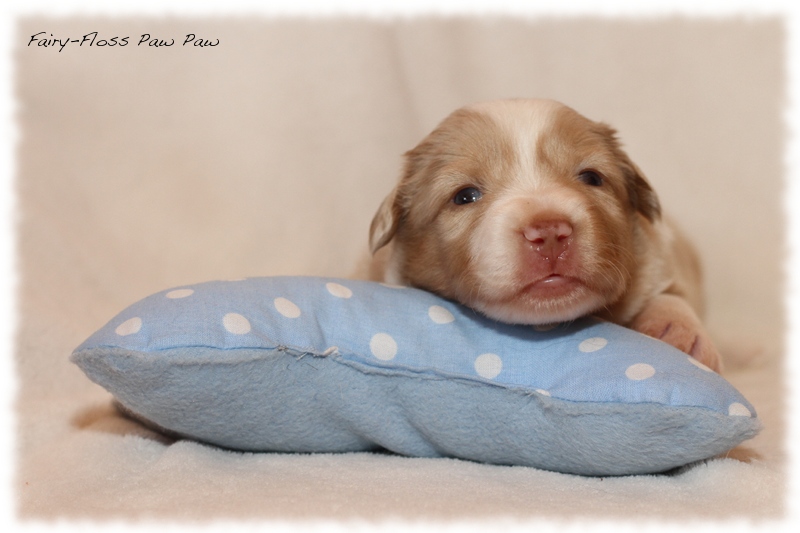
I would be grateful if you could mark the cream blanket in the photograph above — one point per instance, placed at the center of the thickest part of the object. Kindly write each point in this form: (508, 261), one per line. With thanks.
(145, 167)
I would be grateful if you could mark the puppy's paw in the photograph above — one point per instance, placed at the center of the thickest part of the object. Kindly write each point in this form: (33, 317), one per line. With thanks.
(670, 319)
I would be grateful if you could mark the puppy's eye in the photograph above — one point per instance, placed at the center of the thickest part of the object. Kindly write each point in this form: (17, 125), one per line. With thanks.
(590, 177)
(467, 195)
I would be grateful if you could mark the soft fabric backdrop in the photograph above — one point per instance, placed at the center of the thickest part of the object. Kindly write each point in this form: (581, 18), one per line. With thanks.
(142, 168)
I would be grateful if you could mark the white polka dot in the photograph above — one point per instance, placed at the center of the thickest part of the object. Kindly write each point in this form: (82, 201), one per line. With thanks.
(488, 365)
(340, 291)
(545, 327)
(698, 364)
(180, 293)
(593, 344)
(236, 323)
(383, 346)
(543, 392)
(440, 315)
(737, 409)
(640, 371)
(286, 308)
(129, 327)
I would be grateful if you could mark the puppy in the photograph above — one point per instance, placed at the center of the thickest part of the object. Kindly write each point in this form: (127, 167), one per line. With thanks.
(532, 214)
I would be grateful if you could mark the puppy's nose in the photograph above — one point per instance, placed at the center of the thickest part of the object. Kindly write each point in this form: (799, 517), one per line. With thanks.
(549, 238)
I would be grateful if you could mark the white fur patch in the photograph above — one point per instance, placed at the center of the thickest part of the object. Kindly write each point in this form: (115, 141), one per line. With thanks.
(524, 124)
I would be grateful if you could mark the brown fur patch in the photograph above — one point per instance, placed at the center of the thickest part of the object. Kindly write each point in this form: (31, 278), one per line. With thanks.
(466, 149)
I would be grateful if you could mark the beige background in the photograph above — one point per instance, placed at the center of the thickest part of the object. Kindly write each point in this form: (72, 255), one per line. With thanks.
(143, 168)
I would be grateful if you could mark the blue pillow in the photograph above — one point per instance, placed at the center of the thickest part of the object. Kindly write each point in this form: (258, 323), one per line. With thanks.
(300, 364)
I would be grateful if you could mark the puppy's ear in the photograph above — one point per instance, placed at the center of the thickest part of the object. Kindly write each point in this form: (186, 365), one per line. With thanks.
(421, 164)
(394, 207)
(642, 196)
(384, 223)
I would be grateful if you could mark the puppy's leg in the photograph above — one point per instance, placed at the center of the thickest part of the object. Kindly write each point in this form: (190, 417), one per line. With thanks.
(671, 319)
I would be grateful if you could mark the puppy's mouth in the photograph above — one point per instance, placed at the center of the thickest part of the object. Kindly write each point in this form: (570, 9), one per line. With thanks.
(552, 281)
(548, 299)
(553, 286)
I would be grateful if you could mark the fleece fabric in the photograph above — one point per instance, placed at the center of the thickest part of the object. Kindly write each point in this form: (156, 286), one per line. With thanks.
(307, 364)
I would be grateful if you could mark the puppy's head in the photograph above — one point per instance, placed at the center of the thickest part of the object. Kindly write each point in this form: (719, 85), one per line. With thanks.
(522, 209)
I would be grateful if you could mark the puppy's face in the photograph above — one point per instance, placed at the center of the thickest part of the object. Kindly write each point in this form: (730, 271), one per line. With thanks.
(521, 209)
